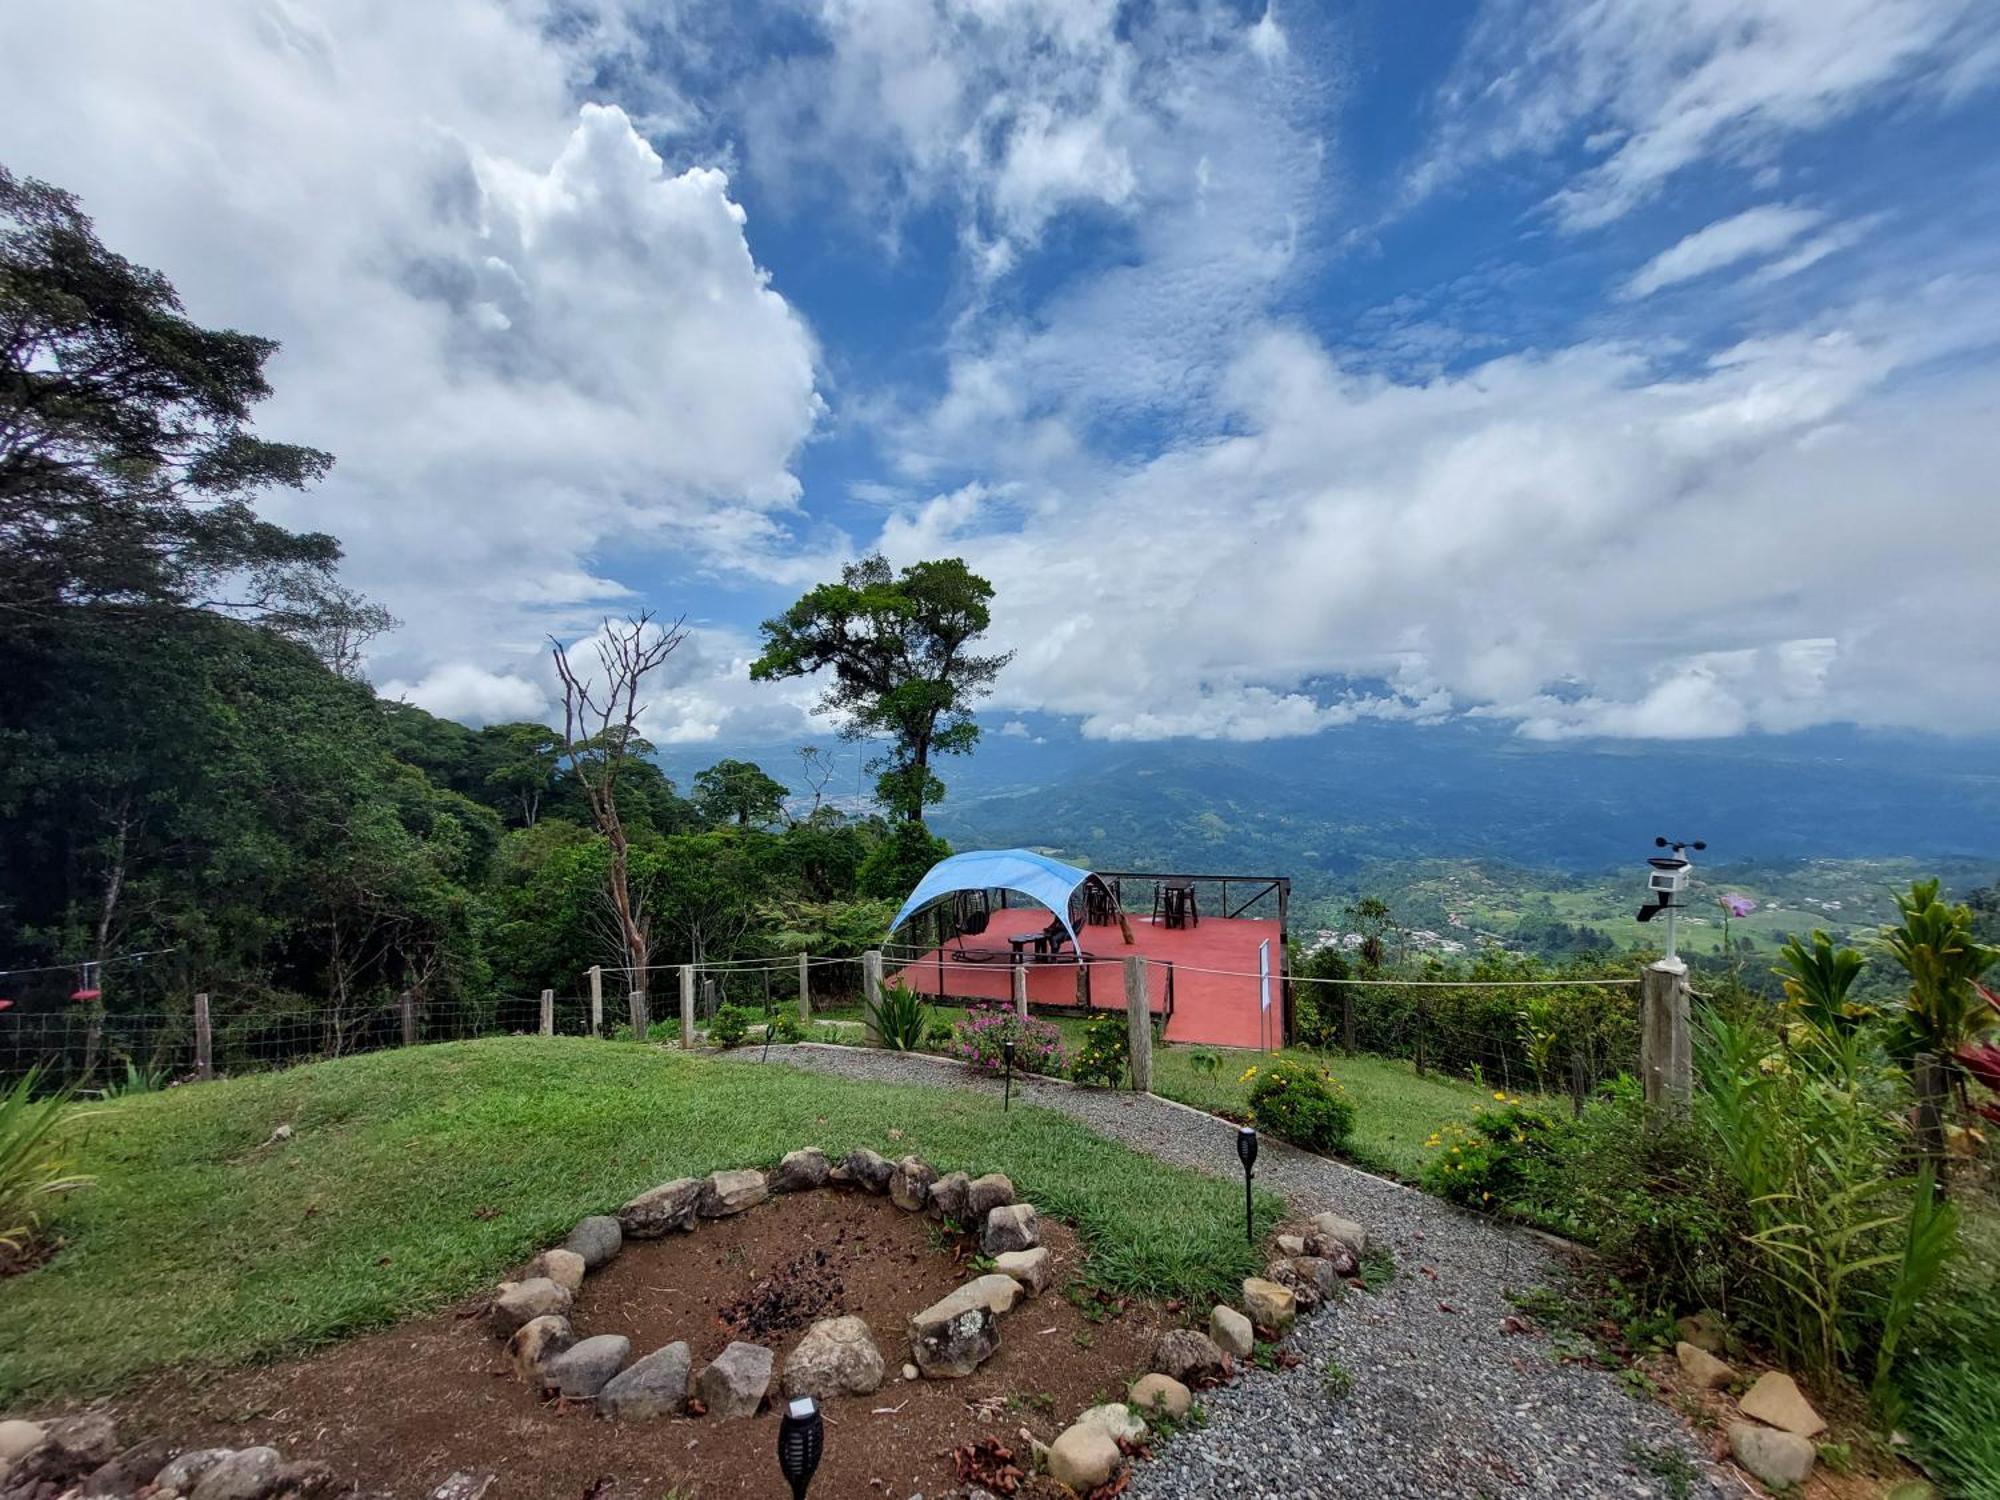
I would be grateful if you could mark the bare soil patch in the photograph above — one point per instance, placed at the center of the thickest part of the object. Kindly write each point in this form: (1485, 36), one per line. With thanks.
(397, 1411)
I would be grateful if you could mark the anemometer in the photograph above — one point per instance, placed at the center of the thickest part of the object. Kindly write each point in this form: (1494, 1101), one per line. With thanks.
(1668, 881)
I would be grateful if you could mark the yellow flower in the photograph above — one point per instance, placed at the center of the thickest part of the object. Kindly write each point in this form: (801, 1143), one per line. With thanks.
(1501, 1097)
(1248, 1074)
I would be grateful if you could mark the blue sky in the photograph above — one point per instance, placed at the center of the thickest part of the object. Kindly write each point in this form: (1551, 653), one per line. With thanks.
(1615, 369)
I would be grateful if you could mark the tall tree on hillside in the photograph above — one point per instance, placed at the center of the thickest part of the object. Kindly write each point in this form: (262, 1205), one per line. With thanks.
(899, 647)
(738, 791)
(600, 732)
(520, 761)
(127, 467)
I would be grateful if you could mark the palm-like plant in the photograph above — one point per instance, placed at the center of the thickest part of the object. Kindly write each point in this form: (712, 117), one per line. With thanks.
(1934, 942)
(34, 1164)
(1817, 980)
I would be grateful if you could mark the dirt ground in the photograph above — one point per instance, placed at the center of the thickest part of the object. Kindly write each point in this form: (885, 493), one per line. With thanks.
(397, 1411)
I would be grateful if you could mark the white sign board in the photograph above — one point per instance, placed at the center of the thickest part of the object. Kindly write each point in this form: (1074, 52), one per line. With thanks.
(1264, 974)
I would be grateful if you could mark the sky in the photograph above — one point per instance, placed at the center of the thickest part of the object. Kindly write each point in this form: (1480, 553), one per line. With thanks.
(1620, 368)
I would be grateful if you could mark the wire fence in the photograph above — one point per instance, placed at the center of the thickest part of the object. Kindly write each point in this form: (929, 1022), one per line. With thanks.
(1469, 1028)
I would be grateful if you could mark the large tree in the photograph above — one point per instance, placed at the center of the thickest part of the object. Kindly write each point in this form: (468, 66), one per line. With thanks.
(738, 791)
(127, 467)
(899, 646)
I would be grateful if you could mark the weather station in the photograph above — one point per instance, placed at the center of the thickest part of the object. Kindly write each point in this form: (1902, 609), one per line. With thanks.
(1667, 882)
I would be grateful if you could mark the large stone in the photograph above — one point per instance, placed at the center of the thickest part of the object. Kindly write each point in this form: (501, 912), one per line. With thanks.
(130, 1471)
(536, 1340)
(1161, 1393)
(837, 1357)
(950, 1198)
(994, 1190)
(519, 1302)
(910, 1184)
(1268, 1304)
(597, 1239)
(800, 1171)
(183, 1473)
(868, 1170)
(1286, 1273)
(585, 1368)
(1084, 1457)
(71, 1447)
(955, 1336)
(736, 1383)
(656, 1386)
(1231, 1331)
(1705, 1330)
(994, 1290)
(1780, 1459)
(1117, 1420)
(248, 1474)
(18, 1437)
(662, 1210)
(726, 1193)
(1344, 1231)
(1012, 1226)
(564, 1267)
(1324, 1277)
(1032, 1268)
(1703, 1368)
(465, 1485)
(1190, 1357)
(1776, 1400)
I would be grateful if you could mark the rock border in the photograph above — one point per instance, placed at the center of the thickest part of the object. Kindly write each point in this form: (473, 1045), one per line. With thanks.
(838, 1356)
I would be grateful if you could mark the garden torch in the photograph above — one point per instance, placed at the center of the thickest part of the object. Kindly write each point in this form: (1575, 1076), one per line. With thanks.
(801, 1437)
(1246, 1151)
(1007, 1088)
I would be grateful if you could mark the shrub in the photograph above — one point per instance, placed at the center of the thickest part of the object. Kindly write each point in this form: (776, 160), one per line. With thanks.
(901, 1018)
(978, 1037)
(786, 1026)
(1300, 1103)
(1100, 1061)
(730, 1025)
(34, 1166)
(1502, 1159)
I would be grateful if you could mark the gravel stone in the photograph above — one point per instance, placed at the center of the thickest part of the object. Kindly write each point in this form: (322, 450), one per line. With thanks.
(1443, 1404)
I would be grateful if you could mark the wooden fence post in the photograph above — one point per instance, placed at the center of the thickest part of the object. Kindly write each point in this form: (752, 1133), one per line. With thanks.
(204, 1039)
(1021, 990)
(1347, 1021)
(406, 1003)
(1139, 1026)
(1423, 1015)
(805, 989)
(687, 1005)
(548, 1012)
(871, 996)
(596, 1000)
(1666, 1055)
(642, 1017)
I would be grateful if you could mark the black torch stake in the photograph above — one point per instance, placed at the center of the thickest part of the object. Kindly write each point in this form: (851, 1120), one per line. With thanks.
(801, 1437)
(1246, 1151)
(1007, 1089)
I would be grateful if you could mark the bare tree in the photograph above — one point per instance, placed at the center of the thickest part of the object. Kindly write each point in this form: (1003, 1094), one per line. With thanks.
(600, 715)
(817, 768)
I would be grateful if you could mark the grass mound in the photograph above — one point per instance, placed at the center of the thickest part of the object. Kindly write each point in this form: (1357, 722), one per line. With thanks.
(412, 1178)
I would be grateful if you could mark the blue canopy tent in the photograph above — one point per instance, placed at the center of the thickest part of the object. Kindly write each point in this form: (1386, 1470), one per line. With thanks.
(1047, 881)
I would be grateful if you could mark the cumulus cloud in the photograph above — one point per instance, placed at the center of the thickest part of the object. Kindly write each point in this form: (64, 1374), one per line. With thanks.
(1649, 88)
(527, 339)
(1692, 553)
(1752, 234)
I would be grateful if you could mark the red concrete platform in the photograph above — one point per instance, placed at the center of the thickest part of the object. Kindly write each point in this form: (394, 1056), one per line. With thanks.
(1219, 1009)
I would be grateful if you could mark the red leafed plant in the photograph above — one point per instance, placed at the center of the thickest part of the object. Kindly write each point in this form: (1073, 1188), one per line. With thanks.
(1982, 1061)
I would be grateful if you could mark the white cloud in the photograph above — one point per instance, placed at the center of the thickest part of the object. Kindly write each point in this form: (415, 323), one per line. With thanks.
(1750, 235)
(466, 691)
(1651, 87)
(1696, 552)
(527, 340)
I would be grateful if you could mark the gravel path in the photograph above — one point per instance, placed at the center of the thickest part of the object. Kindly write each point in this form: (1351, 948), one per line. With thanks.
(1443, 1402)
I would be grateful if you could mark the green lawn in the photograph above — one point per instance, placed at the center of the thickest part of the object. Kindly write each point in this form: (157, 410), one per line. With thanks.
(1394, 1110)
(415, 1177)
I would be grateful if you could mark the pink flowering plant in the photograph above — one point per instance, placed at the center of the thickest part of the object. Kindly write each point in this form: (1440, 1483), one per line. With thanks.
(976, 1040)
